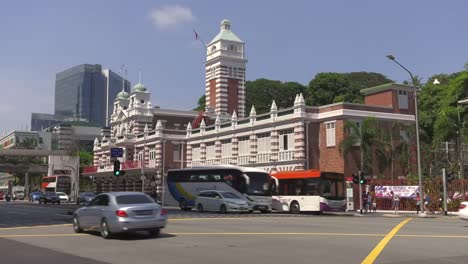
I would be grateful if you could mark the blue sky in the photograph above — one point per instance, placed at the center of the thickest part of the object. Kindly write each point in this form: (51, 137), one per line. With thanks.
(285, 40)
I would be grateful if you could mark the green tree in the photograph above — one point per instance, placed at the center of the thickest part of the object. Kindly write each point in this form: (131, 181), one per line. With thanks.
(201, 104)
(262, 92)
(331, 87)
(366, 136)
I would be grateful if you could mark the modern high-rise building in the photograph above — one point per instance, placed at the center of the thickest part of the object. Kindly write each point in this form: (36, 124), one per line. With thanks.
(86, 93)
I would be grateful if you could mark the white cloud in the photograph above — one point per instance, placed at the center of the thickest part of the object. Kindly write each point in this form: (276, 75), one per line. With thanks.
(169, 17)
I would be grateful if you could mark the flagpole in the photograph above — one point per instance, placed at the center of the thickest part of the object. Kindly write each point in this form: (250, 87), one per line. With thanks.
(197, 36)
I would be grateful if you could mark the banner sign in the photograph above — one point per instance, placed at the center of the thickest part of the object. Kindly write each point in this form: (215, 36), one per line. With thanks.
(402, 191)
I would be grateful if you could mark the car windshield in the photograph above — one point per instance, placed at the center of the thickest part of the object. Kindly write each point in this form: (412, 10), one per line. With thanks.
(50, 194)
(229, 195)
(133, 199)
(61, 193)
(89, 194)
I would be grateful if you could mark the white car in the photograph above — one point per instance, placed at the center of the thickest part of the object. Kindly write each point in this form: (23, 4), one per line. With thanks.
(220, 201)
(463, 210)
(63, 196)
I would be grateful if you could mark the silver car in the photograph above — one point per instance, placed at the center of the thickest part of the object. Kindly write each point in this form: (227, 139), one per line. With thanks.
(221, 201)
(119, 212)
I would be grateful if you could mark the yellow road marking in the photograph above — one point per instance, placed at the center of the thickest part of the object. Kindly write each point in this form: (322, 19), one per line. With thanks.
(242, 234)
(208, 218)
(378, 249)
(42, 235)
(274, 234)
(26, 227)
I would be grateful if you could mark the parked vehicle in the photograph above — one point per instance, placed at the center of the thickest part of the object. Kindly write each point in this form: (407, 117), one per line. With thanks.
(221, 201)
(1, 195)
(463, 210)
(63, 197)
(35, 196)
(85, 198)
(49, 197)
(119, 212)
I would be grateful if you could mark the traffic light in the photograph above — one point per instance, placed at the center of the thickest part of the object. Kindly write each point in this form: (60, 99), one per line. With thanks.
(355, 178)
(117, 171)
(362, 180)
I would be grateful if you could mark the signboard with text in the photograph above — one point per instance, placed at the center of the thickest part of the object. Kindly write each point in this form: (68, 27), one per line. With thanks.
(402, 191)
(116, 152)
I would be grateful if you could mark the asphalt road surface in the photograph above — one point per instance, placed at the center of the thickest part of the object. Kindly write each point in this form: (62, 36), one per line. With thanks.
(246, 239)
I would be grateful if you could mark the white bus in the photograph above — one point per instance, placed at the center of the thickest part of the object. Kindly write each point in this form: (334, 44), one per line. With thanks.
(309, 190)
(56, 183)
(253, 184)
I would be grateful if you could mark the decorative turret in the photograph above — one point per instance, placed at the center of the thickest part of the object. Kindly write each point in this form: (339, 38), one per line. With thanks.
(273, 111)
(225, 72)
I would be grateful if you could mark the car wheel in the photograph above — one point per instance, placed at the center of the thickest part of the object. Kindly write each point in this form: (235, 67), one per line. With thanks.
(265, 211)
(58, 202)
(105, 232)
(223, 209)
(76, 225)
(155, 232)
(200, 208)
(77, 203)
(183, 205)
(294, 208)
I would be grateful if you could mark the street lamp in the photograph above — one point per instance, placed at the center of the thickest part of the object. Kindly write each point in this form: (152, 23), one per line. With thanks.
(413, 80)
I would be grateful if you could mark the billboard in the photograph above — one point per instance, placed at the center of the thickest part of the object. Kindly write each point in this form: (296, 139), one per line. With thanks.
(402, 191)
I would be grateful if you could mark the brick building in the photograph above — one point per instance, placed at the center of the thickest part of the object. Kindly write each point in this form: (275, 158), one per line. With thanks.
(300, 137)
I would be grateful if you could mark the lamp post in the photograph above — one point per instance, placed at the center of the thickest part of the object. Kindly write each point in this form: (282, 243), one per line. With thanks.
(413, 80)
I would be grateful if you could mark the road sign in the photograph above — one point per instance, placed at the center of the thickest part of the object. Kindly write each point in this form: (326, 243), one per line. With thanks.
(116, 152)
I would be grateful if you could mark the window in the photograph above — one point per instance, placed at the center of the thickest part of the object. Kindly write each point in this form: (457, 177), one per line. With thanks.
(330, 133)
(263, 142)
(213, 49)
(403, 99)
(244, 146)
(152, 153)
(196, 152)
(133, 199)
(286, 139)
(226, 148)
(210, 150)
(213, 72)
(230, 71)
(101, 200)
(177, 152)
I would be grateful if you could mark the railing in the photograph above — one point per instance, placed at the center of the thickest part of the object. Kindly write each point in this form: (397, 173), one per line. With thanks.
(126, 165)
(286, 155)
(243, 159)
(263, 157)
(225, 160)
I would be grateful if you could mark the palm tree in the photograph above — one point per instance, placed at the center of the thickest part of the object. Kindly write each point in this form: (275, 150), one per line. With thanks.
(365, 135)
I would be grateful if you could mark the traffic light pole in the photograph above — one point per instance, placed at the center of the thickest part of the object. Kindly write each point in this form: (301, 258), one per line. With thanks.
(360, 192)
(444, 182)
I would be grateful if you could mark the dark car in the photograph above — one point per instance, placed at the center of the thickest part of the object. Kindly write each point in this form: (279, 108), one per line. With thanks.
(85, 198)
(35, 196)
(50, 197)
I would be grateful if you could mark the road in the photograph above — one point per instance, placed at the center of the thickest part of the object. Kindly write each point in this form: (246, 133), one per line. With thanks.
(249, 239)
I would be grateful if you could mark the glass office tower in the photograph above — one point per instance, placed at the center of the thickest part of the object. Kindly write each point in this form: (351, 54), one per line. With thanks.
(86, 93)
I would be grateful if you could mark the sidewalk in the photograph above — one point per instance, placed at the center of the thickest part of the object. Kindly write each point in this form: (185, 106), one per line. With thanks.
(390, 213)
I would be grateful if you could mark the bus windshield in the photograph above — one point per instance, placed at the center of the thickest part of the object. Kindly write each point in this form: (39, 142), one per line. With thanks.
(259, 184)
(333, 186)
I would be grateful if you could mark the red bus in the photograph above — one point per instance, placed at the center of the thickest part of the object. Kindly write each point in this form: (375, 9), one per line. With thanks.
(56, 183)
(309, 190)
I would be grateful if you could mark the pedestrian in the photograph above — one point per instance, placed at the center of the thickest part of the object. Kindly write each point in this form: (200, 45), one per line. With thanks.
(427, 202)
(396, 202)
(364, 202)
(369, 201)
(418, 202)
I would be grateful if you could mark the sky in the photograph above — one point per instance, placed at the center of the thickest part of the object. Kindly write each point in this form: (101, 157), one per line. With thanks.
(285, 40)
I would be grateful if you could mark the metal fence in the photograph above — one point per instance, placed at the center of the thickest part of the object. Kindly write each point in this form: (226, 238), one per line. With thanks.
(457, 191)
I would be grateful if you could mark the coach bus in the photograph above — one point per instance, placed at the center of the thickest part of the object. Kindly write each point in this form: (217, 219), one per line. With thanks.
(56, 183)
(309, 190)
(253, 184)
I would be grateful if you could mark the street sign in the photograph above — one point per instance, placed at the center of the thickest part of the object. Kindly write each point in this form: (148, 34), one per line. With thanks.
(116, 152)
